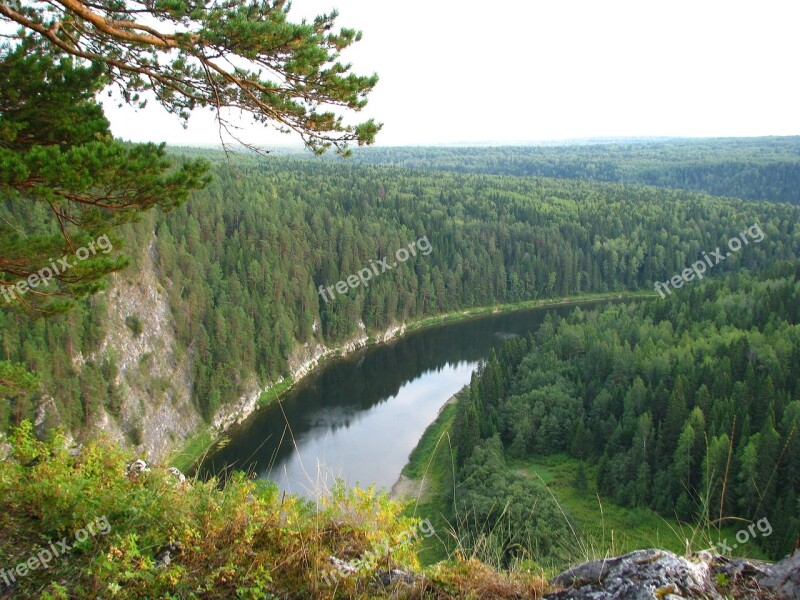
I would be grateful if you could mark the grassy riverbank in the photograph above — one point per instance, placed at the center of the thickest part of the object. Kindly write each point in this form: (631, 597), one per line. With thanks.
(601, 528)
(471, 313)
(430, 471)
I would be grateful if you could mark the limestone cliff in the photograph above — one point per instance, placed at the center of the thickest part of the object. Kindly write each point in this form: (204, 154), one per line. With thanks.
(154, 382)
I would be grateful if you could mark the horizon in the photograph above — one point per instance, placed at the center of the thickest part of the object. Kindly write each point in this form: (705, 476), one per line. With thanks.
(589, 141)
(517, 73)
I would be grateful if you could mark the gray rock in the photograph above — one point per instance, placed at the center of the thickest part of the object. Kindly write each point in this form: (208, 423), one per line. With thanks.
(640, 575)
(783, 578)
(661, 575)
(138, 466)
(164, 556)
(176, 473)
(395, 576)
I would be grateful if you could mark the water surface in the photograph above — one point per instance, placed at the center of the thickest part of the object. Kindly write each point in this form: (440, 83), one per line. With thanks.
(359, 418)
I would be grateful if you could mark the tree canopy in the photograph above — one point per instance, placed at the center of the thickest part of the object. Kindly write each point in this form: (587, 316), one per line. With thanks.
(216, 54)
(687, 405)
(66, 178)
(61, 166)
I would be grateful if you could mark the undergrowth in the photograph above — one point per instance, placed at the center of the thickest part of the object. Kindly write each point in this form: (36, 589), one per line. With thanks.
(171, 539)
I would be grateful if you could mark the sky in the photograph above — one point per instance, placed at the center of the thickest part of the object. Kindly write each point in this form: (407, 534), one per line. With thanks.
(516, 71)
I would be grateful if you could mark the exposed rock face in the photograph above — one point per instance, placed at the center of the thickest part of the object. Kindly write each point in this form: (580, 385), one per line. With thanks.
(306, 357)
(781, 579)
(640, 575)
(154, 379)
(156, 412)
(661, 575)
(303, 360)
(234, 413)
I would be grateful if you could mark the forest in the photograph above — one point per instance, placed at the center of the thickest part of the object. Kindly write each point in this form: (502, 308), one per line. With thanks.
(153, 297)
(687, 405)
(241, 263)
(752, 168)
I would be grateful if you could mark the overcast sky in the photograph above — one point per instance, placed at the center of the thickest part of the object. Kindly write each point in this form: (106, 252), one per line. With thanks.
(457, 71)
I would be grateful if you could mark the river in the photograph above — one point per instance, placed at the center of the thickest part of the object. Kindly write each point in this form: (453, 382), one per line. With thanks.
(358, 418)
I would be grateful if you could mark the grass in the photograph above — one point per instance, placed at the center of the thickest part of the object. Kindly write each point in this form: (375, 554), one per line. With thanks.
(419, 460)
(192, 450)
(470, 313)
(275, 392)
(431, 463)
(241, 539)
(602, 528)
(607, 529)
(195, 448)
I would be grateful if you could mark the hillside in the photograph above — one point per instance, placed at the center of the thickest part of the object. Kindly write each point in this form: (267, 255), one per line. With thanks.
(752, 168)
(293, 311)
(686, 406)
(221, 301)
(88, 523)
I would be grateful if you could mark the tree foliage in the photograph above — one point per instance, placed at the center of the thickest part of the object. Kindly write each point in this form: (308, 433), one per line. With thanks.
(66, 180)
(241, 263)
(218, 54)
(688, 405)
(751, 168)
(55, 144)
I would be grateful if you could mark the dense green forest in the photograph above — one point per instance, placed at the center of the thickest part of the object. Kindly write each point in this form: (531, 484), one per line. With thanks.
(687, 405)
(752, 168)
(153, 298)
(242, 261)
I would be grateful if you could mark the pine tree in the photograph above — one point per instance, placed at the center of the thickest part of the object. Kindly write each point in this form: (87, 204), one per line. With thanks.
(217, 55)
(66, 182)
(581, 482)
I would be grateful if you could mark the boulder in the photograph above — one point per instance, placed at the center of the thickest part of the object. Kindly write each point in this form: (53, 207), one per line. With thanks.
(138, 466)
(783, 578)
(661, 575)
(640, 575)
(176, 473)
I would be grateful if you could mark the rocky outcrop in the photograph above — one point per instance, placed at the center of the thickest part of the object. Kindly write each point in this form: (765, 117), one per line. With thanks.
(661, 575)
(643, 575)
(781, 580)
(234, 413)
(153, 380)
(308, 356)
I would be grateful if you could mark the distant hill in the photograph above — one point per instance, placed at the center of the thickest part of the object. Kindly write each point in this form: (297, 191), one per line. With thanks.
(766, 168)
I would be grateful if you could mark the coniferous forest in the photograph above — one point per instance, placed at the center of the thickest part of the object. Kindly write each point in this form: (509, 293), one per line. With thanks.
(686, 405)
(241, 263)
(752, 168)
(161, 306)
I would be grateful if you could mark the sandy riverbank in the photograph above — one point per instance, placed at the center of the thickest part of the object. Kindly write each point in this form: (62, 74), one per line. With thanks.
(405, 487)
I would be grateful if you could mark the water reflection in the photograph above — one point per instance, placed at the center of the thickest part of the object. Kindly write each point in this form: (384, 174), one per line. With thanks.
(360, 417)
